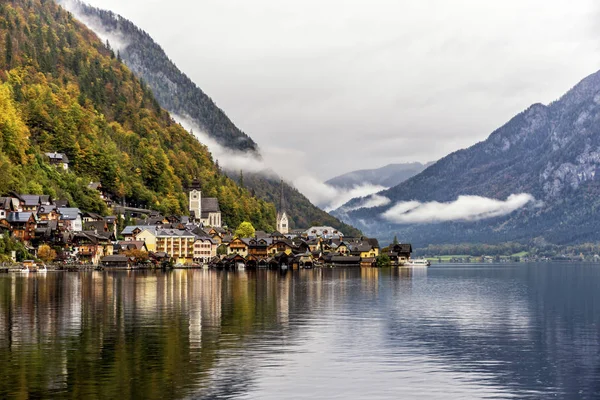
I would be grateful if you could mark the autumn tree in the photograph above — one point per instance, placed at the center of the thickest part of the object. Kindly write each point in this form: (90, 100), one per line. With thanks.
(140, 256)
(245, 230)
(46, 253)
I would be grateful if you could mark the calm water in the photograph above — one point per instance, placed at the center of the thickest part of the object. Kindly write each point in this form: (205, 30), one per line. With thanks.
(442, 333)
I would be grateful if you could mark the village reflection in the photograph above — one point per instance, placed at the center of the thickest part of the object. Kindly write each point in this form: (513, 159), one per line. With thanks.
(150, 334)
(94, 332)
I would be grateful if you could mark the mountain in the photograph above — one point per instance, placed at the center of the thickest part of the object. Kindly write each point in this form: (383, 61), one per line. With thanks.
(62, 90)
(551, 152)
(173, 89)
(179, 95)
(388, 176)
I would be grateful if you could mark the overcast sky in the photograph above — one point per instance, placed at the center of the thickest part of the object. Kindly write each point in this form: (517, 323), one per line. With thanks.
(340, 85)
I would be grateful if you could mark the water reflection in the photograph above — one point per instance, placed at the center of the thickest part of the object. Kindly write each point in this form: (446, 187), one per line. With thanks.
(527, 331)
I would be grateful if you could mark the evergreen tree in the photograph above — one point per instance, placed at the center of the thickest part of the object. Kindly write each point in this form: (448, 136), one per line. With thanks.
(9, 52)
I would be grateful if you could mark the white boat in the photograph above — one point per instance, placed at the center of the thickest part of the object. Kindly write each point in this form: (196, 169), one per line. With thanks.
(420, 262)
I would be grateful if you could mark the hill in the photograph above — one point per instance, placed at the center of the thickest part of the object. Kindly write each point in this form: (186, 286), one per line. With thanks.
(62, 90)
(178, 94)
(388, 176)
(550, 152)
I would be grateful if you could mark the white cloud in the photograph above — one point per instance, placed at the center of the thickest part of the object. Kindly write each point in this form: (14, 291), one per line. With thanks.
(465, 208)
(288, 164)
(116, 39)
(372, 201)
(328, 197)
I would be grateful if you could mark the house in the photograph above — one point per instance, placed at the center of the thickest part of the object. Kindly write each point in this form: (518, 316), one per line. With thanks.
(128, 245)
(302, 261)
(97, 186)
(70, 219)
(117, 261)
(89, 247)
(258, 247)
(400, 252)
(280, 246)
(238, 246)
(30, 202)
(205, 249)
(22, 225)
(365, 250)
(325, 232)
(47, 213)
(148, 236)
(58, 159)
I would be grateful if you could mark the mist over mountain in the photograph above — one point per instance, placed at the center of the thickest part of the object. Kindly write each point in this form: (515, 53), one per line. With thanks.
(388, 176)
(533, 178)
(234, 150)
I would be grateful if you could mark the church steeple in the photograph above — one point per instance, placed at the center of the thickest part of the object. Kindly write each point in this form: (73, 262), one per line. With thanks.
(283, 225)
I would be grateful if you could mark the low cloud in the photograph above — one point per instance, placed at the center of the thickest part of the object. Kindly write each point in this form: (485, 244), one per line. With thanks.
(285, 163)
(330, 198)
(372, 201)
(115, 37)
(465, 208)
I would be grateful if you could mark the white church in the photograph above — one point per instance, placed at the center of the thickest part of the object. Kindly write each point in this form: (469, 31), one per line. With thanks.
(204, 210)
(283, 224)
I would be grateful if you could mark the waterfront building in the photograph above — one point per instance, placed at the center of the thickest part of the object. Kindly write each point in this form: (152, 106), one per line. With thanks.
(178, 244)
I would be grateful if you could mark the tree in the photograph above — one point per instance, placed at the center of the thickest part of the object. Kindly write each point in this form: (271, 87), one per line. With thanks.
(9, 51)
(245, 230)
(241, 179)
(384, 261)
(395, 239)
(46, 253)
(139, 255)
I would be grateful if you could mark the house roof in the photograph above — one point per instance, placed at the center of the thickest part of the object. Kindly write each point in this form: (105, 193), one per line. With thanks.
(93, 216)
(128, 230)
(131, 244)
(98, 226)
(174, 232)
(31, 200)
(46, 209)
(61, 203)
(69, 213)
(58, 157)
(20, 217)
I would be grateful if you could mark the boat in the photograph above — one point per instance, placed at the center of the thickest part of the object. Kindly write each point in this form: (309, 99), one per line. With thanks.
(419, 262)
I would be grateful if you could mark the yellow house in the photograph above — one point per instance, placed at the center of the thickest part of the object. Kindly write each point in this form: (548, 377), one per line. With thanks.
(237, 246)
(149, 237)
(280, 246)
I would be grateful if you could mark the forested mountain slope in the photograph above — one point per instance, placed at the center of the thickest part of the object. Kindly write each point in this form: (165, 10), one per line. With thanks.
(174, 90)
(551, 152)
(178, 94)
(62, 90)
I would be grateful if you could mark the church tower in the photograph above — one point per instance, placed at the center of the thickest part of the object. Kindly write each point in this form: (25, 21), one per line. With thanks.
(196, 200)
(283, 225)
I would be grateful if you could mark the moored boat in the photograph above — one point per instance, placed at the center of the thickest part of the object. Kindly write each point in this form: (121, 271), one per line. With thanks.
(420, 262)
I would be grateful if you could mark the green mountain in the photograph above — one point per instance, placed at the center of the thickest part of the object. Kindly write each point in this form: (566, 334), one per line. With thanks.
(551, 152)
(62, 90)
(178, 94)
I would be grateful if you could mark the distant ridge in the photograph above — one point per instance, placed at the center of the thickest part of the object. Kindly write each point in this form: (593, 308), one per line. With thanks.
(549, 152)
(388, 176)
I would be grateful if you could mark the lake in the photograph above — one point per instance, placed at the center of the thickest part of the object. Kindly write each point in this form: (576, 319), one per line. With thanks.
(447, 332)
